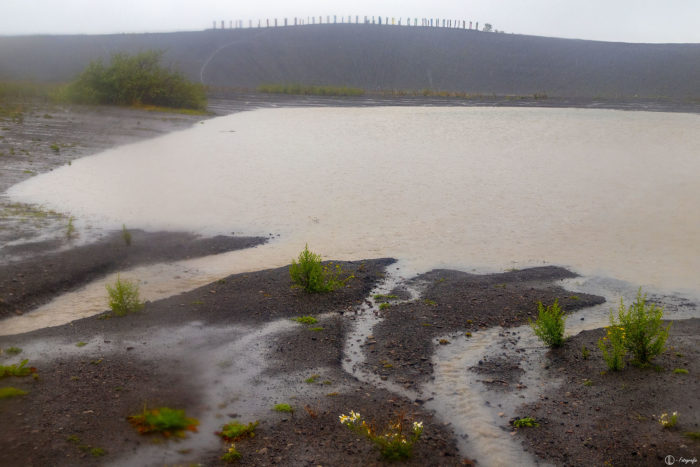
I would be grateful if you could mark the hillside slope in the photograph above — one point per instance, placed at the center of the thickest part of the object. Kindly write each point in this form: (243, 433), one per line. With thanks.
(377, 57)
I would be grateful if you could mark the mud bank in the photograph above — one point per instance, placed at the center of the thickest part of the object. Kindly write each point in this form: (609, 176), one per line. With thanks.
(229, 350)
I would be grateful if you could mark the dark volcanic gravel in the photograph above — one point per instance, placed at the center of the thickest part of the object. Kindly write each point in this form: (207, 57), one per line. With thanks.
(455, 301)
(33, 281)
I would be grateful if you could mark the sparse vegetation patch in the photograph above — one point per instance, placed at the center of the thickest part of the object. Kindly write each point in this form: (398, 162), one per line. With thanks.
(309, 274)
(164, 420)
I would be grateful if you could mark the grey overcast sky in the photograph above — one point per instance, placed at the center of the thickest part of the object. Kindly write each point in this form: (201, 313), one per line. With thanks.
(606, 20)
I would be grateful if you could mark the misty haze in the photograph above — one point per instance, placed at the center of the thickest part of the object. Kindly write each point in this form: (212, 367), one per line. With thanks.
(348, 240)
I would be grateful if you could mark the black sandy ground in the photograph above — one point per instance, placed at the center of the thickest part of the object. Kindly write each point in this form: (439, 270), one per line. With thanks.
(89, 397)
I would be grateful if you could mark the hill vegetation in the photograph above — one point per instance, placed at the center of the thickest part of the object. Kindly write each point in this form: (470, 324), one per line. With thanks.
(135, 80)
(380, 59)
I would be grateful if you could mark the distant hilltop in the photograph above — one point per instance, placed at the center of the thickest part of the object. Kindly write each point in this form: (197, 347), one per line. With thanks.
(379, 58)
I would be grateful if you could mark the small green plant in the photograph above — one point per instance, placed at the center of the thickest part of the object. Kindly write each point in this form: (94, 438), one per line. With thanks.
(232, 455)
(126, 235)
(646, 336)
(383, 298)
(680, 371)
(549, 326)
(8, 391)
(305, 320)
(430, 302)
(309, 274)
(637, 330)
(81, 344)
(73, 439)
(316, 329)
(525, 422)
(384, 306)
(692, 435)
(585, 353)
(613, 346)
(312, 379)
(395, 442)
(234, 431)
(164, 420)
(16, 370)
(124, 297)
(70, 229)
(55, 148)
(587, 382)
(13, 350)
(668, 422)
(97, 452)
(286, 408)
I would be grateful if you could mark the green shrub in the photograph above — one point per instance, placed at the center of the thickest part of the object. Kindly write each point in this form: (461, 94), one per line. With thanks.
(283, 408)
(135, 80)
(164, 420)
(124, 297)
(7, 392)
(231, 455)
(549, 326)
(305, 320)
(16, 370)
(613, 346)
(310, 275)
(235, 430)
(645, 335)
(525, 422)
(680, 371)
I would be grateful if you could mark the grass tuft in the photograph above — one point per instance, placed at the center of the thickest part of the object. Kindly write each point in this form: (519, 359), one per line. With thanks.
(8, 392)
(164, 420)
(235, 430)
(285, 408)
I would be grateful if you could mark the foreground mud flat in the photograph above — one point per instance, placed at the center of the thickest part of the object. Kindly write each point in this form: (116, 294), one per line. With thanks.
(230, 351)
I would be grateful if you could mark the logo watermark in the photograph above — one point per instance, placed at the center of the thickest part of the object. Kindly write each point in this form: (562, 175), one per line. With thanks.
(671, 460)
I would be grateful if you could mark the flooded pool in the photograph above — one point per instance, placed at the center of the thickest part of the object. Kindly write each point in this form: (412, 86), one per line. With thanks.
(603, 192)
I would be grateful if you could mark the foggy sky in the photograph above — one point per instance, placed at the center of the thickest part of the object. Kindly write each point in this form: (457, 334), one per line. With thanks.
(607, 20)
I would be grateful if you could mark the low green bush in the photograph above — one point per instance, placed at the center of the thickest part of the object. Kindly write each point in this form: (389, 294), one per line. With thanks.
(283, 408)
(20, 369)
(124, 297)
(234, 430)
(312, 276)
(645, 334)
(549, 326)
(9, 391)
(163, 420)
(135, 80)
(637, 330)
